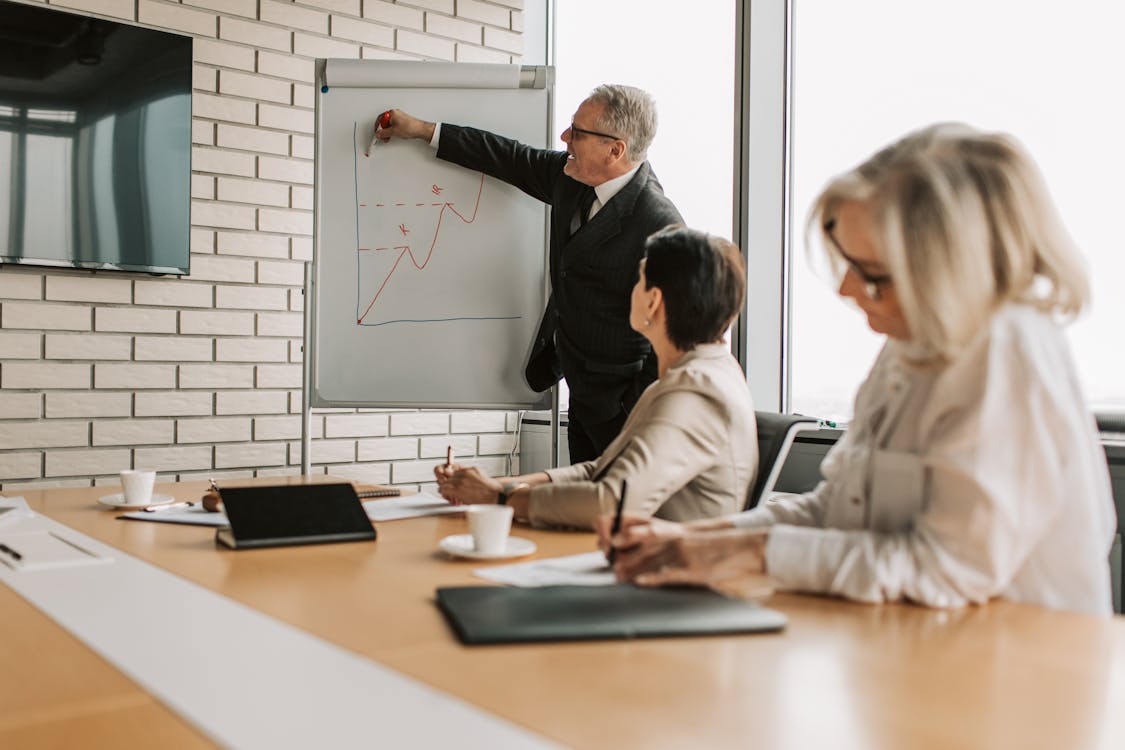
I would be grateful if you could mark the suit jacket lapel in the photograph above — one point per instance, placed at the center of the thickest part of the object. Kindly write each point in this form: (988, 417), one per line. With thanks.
(606, 224)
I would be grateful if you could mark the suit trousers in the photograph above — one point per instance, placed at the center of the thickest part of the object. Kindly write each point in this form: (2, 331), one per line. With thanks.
(586, 439)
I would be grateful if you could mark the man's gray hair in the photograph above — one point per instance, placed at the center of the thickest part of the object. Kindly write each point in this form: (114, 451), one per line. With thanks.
(630, 114)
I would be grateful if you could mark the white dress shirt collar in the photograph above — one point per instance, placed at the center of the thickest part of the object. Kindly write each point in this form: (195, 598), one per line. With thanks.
(610, 188)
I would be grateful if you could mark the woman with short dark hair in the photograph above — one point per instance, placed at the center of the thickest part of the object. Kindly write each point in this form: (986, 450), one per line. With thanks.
(689, 448)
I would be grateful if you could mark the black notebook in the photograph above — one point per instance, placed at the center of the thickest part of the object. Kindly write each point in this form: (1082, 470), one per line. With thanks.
(293, 514)
(500, 614)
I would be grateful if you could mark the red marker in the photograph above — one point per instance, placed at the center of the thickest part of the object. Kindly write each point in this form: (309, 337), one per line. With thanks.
(382, 121)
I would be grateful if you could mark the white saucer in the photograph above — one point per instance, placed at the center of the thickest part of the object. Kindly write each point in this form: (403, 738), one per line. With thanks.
(118, 501)
(461, 545)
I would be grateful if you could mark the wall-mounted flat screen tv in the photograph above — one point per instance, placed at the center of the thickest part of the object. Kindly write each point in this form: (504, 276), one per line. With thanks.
(95, 142)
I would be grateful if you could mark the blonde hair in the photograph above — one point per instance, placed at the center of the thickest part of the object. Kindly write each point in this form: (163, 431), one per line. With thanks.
(966, 225)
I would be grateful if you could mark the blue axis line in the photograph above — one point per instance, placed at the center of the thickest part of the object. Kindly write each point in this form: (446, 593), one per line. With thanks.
(442, 320)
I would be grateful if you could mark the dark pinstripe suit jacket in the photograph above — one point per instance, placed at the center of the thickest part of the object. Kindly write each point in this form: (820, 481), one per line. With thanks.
(585, 333)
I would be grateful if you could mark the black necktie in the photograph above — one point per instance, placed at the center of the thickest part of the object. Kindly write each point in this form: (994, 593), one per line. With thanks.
(584, 204)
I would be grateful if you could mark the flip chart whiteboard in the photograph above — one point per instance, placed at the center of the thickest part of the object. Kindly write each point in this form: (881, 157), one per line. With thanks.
(428, 279)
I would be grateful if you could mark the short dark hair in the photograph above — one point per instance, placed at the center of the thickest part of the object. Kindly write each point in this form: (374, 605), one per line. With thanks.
(703, 279)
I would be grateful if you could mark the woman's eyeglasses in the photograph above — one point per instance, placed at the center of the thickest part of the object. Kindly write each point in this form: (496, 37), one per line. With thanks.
(873, 284)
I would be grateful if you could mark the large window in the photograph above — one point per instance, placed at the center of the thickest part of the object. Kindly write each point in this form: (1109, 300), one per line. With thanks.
(686, 61)
(868, 71)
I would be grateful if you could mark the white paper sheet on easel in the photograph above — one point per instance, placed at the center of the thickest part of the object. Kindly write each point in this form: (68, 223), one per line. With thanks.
(587, 569)
(409, 506)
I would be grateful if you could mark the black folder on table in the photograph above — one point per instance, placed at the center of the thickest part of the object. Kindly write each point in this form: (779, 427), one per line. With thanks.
(500, 614)
(271, 516)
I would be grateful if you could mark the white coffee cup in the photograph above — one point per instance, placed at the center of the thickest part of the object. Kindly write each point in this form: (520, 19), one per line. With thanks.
(136, 486)
(489, 526)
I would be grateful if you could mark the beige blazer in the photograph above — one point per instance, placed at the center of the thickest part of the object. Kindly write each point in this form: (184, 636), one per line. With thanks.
(688, 450)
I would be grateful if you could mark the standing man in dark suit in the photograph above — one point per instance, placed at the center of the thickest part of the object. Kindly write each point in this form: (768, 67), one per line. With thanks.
(605, 200)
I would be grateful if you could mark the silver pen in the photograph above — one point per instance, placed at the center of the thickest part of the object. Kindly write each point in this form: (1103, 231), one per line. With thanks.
(158, 508)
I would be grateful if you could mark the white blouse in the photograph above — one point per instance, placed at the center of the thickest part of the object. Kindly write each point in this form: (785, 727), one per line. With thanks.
(954, 485)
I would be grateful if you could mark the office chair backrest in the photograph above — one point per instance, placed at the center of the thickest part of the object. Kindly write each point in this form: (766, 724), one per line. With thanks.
(772, 428)
(791, 448)
(1115, 458)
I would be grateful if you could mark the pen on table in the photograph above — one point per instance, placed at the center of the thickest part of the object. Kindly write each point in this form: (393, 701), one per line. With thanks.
(159, 508)
(611, 554)
(382, 121)
(14, 555)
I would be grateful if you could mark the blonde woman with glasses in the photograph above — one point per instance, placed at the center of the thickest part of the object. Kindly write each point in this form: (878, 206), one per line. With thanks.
(972, 468)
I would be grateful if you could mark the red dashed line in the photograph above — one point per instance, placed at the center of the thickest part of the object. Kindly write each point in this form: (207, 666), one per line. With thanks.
(429, 254)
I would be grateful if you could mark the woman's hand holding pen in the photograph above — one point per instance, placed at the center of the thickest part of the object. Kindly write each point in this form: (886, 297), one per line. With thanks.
(652, 552)
(636, 534)
(465, 484)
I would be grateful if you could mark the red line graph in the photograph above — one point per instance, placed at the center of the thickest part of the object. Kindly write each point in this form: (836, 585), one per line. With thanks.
(405, 250)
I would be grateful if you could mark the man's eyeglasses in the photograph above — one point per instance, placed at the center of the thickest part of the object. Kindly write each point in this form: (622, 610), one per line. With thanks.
(575, 129)
(872, 283)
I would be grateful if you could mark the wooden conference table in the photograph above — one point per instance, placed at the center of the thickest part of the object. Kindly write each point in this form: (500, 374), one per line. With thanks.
(840, 675)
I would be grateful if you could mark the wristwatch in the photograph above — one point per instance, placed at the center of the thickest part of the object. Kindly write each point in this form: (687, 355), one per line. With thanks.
(507, 491)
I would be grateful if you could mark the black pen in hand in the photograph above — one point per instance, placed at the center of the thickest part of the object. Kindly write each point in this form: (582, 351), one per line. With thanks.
(611, 554)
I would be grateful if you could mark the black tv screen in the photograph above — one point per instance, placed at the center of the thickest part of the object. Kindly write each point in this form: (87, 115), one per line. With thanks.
(95, 142)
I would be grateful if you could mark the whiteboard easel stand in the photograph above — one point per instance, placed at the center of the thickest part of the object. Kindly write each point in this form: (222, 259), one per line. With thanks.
(306, 365)
(358, 73)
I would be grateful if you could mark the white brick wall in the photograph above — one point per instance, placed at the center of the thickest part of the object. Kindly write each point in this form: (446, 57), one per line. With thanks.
(355, 425)
(84, 289)
(220, 430)
(45, 316)
(477, 421)
(173, 404)
(278, 428)
(87, 461)
(134, 319)
(386, 450)
(173, 349)
(20, 464)
(43, 375)
(250, 455)
(87, 346)
(21, 345)
(87, 404)
(199, 376)
(15, 405)
(44, 434)
(19, 284)
(422, 423)
(134, 432)
(216, 376)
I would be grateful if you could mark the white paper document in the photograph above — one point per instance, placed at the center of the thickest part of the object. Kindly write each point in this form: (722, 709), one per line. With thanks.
(13, 508)
(192, 516)
(409, 506)
(587, 569)
(42, 550)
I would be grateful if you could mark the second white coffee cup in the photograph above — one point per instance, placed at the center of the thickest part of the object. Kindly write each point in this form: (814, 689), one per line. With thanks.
(489, 526)
(136, 486)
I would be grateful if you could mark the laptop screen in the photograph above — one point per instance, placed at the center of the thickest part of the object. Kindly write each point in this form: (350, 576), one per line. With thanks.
(797, 467)
(800, 471)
